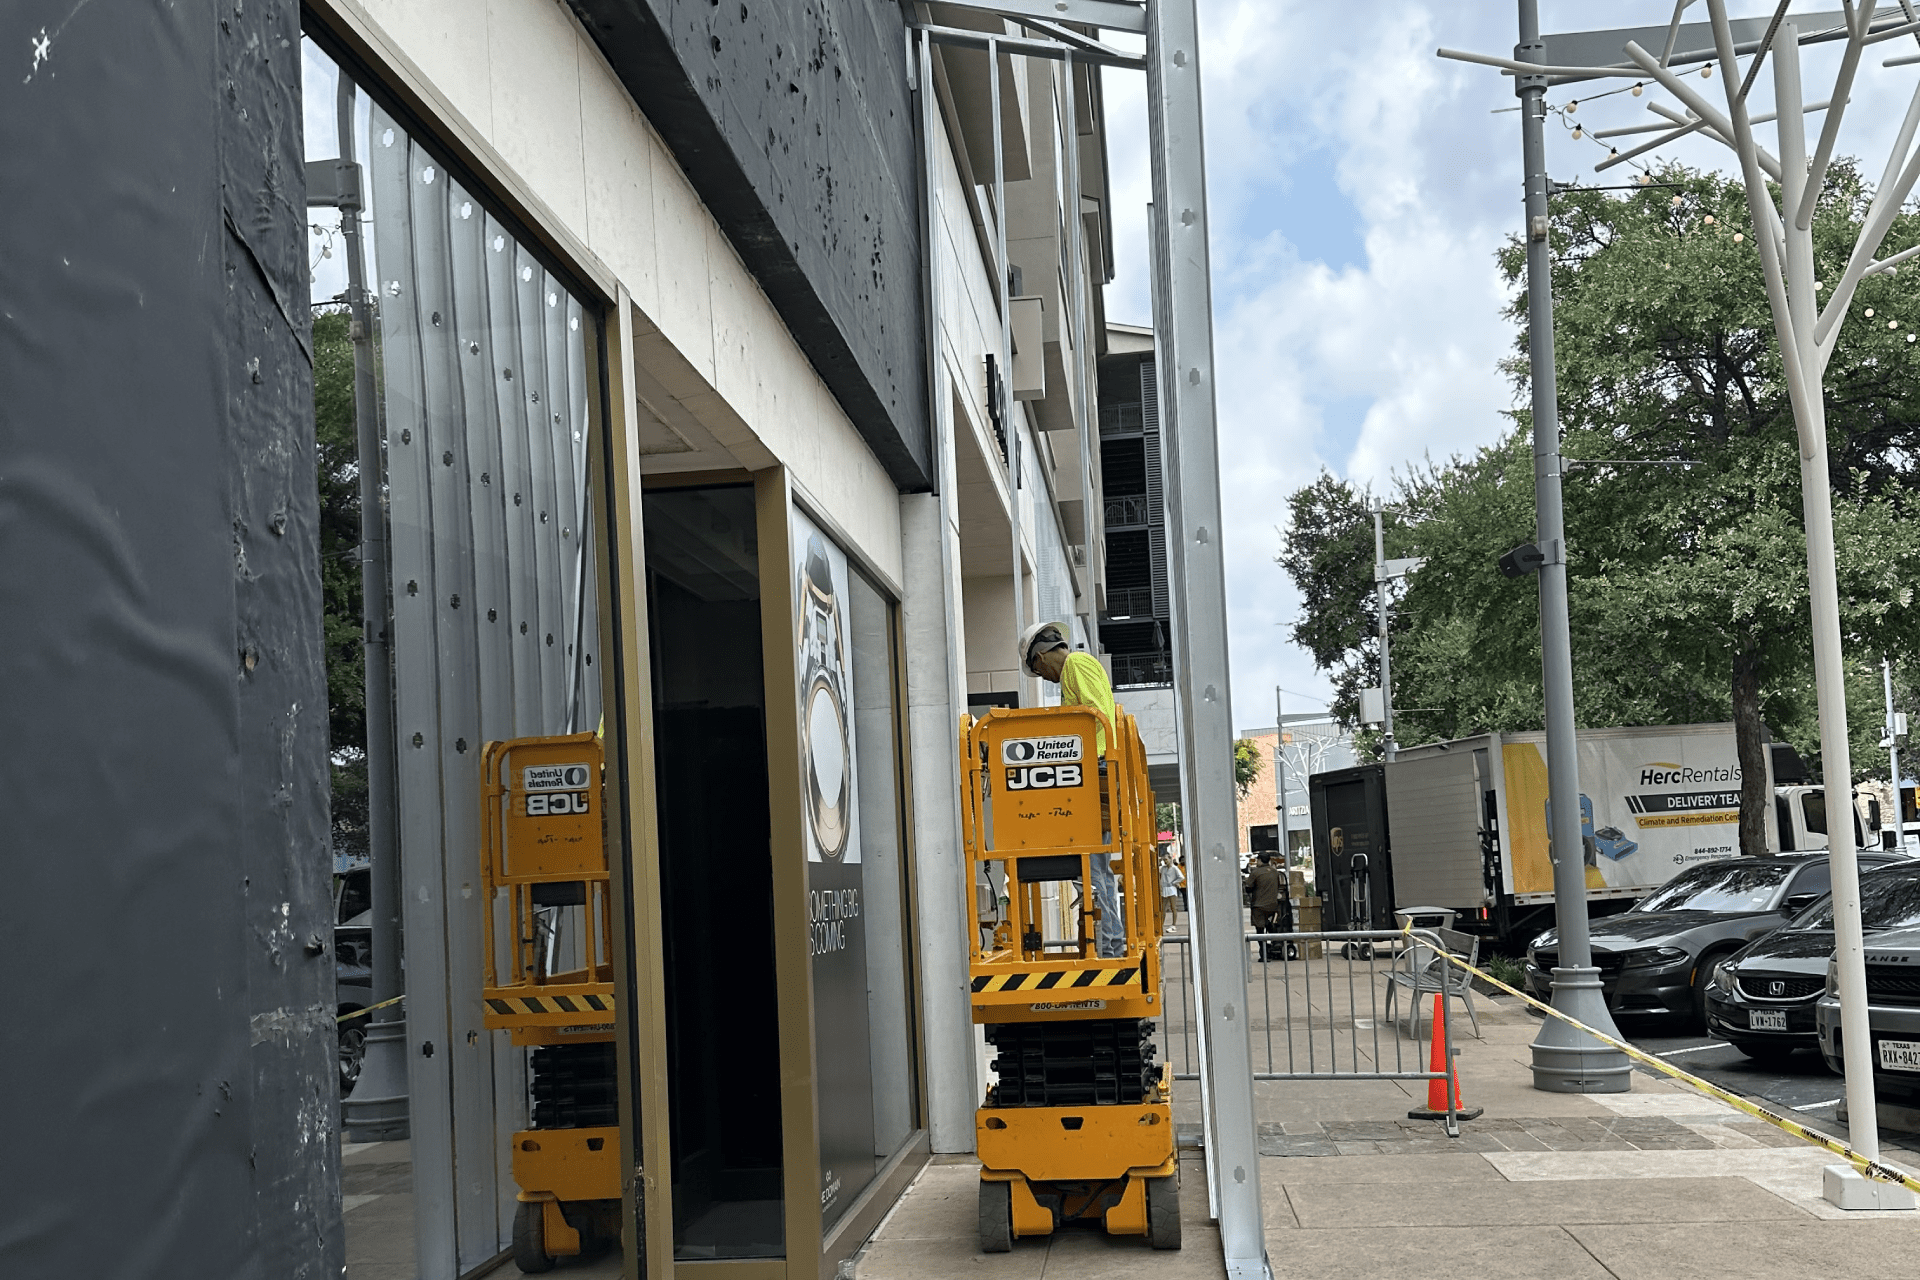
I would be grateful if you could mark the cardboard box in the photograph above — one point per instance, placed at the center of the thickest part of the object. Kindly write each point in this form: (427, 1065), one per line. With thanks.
(1296, 883)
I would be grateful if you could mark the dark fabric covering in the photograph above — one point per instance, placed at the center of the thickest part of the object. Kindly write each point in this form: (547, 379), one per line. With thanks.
(170, 1093)
(795, 125)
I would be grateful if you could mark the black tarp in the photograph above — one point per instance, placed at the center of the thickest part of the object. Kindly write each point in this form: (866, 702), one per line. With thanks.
(169, 1091)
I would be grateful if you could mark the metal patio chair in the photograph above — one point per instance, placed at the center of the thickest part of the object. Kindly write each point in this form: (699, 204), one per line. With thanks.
(1419, 972)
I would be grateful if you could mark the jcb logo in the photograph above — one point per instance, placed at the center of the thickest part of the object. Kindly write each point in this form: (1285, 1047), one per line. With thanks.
(556, 802)
(1041, 776)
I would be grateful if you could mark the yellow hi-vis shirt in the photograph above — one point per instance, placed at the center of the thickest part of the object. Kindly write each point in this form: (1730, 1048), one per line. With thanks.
(1084, 683)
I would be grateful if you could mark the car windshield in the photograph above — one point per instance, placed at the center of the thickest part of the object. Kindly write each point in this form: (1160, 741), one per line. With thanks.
(1717, 887)
(1889, 899)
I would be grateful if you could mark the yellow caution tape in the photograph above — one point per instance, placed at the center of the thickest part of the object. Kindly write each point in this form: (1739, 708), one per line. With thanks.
(1871, 1168)
(359, 1013)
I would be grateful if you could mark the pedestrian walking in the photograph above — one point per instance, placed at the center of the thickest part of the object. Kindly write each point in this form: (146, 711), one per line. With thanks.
(1266, 890)
(1169, 890)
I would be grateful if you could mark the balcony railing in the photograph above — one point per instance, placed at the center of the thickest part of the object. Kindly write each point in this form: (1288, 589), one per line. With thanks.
(1129, 602)
(1141, 670)
(1129, 510)
(1120, 419)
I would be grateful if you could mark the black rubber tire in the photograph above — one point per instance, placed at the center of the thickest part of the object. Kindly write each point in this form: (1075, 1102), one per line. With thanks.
(996, 1217)
(353, 1052)
(1163, 1212)
(530, 1238)
(1702, 974)
(1771, 1054)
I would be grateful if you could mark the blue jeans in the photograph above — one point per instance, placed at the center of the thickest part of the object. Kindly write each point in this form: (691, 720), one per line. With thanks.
(1110, 942)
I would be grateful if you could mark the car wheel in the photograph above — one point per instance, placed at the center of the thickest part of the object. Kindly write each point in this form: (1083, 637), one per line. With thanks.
(1762, 1051)
(353, 1051)
(1703, 974)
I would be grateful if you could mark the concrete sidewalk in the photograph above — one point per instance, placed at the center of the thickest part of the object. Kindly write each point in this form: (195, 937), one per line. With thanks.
(1657, 1183)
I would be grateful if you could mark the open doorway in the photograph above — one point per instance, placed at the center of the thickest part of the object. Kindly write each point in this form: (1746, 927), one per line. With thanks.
(716, 872)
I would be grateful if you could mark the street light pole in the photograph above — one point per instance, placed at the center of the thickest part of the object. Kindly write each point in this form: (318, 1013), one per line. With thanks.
(1280, 777)
(1564, 1060)
(1380, 608)
(1893, 757)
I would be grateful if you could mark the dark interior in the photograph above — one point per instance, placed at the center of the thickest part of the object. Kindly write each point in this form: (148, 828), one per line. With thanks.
(716, 872)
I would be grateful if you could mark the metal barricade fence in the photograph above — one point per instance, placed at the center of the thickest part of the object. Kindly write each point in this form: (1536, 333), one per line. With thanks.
(1317, 1014)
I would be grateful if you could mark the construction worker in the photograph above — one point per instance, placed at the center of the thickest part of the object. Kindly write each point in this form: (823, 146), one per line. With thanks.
(1267, 895)
(1045, 652)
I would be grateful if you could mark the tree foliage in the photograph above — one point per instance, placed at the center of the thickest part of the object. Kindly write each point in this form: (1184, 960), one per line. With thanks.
(337, 451)
(1687, 578)
(1248, 761)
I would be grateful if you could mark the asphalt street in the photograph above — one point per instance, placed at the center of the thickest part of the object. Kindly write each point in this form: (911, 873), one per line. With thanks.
(1801, 1085)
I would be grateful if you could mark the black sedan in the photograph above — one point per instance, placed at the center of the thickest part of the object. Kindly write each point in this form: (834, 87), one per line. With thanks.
(1656, 957)
(1762, 998)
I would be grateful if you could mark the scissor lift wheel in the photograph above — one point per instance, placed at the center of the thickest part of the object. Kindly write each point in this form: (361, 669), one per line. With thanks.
(996, 1217)
(1163, 1212)
(530, 1239)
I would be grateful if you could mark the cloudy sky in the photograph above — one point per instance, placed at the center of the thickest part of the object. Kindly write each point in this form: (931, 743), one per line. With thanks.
(1358, 187)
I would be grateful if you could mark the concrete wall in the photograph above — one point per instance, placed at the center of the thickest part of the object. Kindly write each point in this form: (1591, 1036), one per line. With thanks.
(795, 123)
(525, 78)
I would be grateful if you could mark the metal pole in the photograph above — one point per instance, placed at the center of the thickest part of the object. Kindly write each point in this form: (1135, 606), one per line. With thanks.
(1080, 280)
(1005, 371)
(378, 1106)
(1564, 1060)
(1380, 607)
(1893, 759)
(1829, 675)
(1280, 778)
(1183, 310)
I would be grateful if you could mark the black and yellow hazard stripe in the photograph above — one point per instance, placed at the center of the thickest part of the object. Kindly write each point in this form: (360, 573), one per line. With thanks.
(1055, 979)
(514, 1006)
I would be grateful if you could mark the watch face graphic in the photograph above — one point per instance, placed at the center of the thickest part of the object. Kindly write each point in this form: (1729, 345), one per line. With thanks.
(825, 737)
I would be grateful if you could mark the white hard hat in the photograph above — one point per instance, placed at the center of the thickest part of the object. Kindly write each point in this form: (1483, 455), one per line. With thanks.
(1041, 637)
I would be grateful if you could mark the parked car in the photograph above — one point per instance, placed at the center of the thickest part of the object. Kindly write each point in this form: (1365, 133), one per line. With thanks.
(1655, 958)
(1893, 1015)
(1762, 997)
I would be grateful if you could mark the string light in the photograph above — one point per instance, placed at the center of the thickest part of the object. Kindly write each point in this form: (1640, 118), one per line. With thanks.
(1738, 237)
(1869, 313)
(1893, 324)
(1708, 219)
(1577, 132)
(1706, 73)
(1636, 89)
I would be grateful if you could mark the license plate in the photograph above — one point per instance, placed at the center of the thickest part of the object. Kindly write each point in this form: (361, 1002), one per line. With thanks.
(1768, 1019)
(1900, 1055)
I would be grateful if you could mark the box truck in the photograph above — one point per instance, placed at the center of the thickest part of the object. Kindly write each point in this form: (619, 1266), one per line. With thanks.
(1462, 825)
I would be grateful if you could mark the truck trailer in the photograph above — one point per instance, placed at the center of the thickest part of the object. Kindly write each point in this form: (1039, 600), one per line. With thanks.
(1462, 826)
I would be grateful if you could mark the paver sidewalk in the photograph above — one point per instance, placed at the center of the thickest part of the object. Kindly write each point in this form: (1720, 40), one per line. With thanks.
(1659, 1183)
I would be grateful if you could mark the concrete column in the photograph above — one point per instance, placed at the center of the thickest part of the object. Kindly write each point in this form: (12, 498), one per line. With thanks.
(936, 695)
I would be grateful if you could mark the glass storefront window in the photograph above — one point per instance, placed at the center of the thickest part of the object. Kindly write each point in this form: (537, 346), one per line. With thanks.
(850, 749)
(433, 320)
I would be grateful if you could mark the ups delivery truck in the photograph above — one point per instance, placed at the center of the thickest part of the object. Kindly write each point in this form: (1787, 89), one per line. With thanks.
(1462, 825)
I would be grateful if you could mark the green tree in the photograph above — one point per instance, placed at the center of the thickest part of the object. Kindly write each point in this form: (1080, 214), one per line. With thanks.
(1248, 761)
(337, 450)
(1687, 582)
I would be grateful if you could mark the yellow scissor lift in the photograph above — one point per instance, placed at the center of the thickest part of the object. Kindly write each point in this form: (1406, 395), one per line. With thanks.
(544, 845)
(1079, 1126)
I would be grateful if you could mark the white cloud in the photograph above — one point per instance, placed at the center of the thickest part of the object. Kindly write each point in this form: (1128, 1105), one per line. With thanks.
(1370, 366)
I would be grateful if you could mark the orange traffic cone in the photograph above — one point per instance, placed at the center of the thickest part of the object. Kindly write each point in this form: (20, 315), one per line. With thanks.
(1440, 1060)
